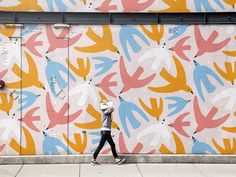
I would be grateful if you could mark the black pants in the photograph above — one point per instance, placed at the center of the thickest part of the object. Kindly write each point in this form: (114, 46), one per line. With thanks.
(105, 136)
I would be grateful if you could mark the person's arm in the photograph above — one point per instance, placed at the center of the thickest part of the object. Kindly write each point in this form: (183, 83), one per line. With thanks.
(108, 111)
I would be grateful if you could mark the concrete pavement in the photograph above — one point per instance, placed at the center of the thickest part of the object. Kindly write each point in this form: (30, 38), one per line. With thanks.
(112, 170)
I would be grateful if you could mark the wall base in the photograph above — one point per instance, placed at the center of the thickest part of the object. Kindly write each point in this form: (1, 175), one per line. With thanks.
(130, 158)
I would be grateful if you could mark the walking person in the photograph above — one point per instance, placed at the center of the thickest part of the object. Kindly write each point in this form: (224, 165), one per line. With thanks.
(106, 134)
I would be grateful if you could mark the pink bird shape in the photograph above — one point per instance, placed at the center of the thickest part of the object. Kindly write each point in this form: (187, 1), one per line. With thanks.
(135, 6)
(3, 73)
(136, 149)
(180, 47)
(60, 41)
(2, 147)
(31, 44)
(178, 124)
(204, 122)
(133, 81)
(208, 45)
(60, 117)
(106, 7)
(28, 119)
(105, 84)
(123, 148)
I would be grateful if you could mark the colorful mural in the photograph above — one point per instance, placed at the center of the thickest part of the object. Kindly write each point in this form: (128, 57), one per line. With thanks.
(119, 6)
(173, 88)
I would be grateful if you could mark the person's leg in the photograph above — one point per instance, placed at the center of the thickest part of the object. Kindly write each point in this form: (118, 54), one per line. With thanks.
(101, 144)
(112, 144)
(113, 149)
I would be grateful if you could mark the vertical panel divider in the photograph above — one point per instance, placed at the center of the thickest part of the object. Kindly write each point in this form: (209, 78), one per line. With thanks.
(68, 96)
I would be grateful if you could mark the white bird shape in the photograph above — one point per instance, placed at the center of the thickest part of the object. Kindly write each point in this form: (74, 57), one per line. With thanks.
(10, 125)
(86, 92)
(227, 93)
(160, 132)
(160, 54)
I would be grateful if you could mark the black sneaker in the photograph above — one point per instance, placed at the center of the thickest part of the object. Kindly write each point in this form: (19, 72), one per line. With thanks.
(120, 161)
(94, 162)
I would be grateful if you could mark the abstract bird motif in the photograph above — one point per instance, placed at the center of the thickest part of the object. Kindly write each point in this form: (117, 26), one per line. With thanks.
(126, 35)
(82, 69)
(24, 5)
(54, 70)
(106, 7)
(133, 81)
(31, 44)
(105, 65)
(175, 5)
(179, 146)
(201, 76)
(178, 124)
(178, 106)
(135, 5)
(155, 110)
(208, 45)
(172, 86)
(228, 147)
(159, 54)
(126, 112)
(79, 145)
(155, 34)
(11, 126)
(159, 131)
(59, 117)
(60, 41)
(29, 149)
(26, 99)
(29, 118)
(230, 74)
(201, 147)
(106, 84)
(206, 5)
(227, 93)
(102, 43)
(207, 121)
(28, 79)
(180, 47)
(51, 145)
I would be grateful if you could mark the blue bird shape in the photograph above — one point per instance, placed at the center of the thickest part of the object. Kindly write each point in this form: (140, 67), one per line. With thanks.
(97, 139)
(53, 70)
(177, 31)
(200, 76)
(126, 111)
(59, 3)
(51, 145)
(206, 5)
(29, 29)
(126, 36)
(104, 66)
(201, 148)
(27, 99)
(178, 106)
(73, 2)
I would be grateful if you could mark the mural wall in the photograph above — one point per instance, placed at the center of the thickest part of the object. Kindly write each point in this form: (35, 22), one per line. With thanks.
(173, 88)
(119, 6)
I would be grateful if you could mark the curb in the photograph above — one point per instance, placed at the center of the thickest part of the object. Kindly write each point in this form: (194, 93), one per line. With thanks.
(130, 158)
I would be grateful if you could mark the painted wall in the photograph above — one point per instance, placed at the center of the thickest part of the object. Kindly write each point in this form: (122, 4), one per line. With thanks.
(119, 6)
(55, 79)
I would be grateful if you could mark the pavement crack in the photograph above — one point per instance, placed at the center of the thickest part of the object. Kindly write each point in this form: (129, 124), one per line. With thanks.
(19, 170)
(139, 170)
(198, 170)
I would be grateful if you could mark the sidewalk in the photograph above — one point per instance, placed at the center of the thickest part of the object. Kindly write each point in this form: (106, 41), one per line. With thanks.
(126, 170)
